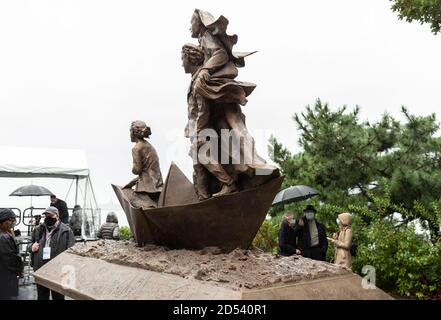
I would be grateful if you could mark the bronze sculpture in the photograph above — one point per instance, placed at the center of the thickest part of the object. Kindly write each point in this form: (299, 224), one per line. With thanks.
(178, 219)
(233, 187)
(199, 120)
(148, 183)
(214, 100)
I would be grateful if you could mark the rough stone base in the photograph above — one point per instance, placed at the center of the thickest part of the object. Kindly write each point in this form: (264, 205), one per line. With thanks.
(89, 278)
(346, 287)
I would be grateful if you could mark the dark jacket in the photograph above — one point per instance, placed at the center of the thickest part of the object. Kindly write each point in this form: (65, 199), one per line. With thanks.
(35, 234)
(76, 221)
(109, 230)
(63, 212)
(11, 265)
(62, 239)
(304, 241)
(287, 239)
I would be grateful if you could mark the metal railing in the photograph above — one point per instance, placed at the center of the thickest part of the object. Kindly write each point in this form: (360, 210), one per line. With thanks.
(26, 220)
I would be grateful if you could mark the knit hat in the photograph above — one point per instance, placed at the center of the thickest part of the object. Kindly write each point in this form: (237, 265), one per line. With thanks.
(6, 214)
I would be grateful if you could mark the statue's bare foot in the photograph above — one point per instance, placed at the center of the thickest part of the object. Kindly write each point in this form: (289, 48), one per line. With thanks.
(226, 189)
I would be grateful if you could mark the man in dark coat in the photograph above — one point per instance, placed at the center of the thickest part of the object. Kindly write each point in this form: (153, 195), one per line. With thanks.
(11, 264)
(62, 208)
(49, 240)
(311, 234)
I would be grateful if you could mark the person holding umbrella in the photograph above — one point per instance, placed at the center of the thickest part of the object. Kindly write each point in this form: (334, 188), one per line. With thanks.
(62, 208)
(305, 236)
(49, 240)
(287, 236)
(11, 264)
(311, 235)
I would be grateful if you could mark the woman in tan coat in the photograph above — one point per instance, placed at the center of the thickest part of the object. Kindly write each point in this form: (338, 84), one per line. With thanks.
(343, 241)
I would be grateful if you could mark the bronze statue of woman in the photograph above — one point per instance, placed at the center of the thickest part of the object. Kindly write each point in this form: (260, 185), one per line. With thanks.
(214, 83)
(206, 114)
(148, 183)
(220, 63)
(198, 121)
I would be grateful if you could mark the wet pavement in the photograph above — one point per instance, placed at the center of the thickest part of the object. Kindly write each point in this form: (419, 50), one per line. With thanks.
(27, 292)
(27, 289)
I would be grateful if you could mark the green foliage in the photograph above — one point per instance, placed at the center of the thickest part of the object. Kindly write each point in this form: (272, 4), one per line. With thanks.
(125, 233)
(405, 263)
(375, 171)
(343, 156)
(267, 236)
(423, 11)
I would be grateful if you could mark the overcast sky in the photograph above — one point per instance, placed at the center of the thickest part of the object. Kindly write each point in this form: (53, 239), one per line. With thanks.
(74, 74)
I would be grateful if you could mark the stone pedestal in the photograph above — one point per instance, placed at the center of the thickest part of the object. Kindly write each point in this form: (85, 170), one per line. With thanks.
(89, 278)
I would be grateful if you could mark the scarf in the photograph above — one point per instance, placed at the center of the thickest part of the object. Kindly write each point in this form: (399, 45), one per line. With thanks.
(313, 232)
(49, 234)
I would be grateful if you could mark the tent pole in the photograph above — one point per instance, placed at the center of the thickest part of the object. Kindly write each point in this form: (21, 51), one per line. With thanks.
(76, 190)
(84, 214)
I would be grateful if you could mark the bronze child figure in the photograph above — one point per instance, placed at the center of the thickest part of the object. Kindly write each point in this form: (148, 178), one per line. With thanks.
(148, 183)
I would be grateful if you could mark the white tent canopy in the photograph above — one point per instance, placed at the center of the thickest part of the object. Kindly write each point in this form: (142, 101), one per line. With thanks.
(32, 162)
(17, 162)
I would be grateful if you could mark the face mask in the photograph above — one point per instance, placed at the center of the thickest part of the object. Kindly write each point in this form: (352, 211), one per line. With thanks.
(338, 222)
(49, 222)
(310, 215)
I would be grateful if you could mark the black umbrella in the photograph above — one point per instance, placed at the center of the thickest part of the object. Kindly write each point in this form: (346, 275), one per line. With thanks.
(294, 194)
(31, 190)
